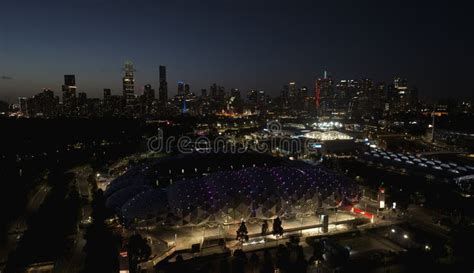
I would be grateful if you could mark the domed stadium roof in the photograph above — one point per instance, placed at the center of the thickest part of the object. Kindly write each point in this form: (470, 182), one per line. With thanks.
(226, 196)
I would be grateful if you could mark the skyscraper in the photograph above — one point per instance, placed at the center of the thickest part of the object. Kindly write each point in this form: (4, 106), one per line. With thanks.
(149, 93)
(180, 88)
(187, 89)
(128, 82)
(163, 89)
(69, 94)
(107, 94)
(148, 98)
(400, 96)
(324, 93)
(292, 90)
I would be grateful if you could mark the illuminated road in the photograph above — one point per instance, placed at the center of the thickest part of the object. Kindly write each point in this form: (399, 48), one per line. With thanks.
(74, 260)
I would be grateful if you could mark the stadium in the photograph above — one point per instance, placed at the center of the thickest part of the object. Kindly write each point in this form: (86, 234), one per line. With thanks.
(189, 189)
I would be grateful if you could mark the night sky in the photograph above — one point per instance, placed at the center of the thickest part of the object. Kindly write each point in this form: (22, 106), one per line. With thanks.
(238, 44)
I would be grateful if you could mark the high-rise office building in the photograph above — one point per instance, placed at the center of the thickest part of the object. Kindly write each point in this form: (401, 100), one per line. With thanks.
(303, 93)
(285, 96)
(292, 89)
(69, 94)
(149, 93)
(180, 88)
(107, 94)
(187, 89)
(82, 106)
(235, 93)
(81, 98)
(148, 98)
(23, 104)
(213, 91)
(401, 98)
(324, 93)
(128, 83)
(43, 104)
(163, 89)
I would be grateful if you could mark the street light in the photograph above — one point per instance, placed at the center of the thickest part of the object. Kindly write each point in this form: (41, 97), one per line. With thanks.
(405, 236)
(393, 230)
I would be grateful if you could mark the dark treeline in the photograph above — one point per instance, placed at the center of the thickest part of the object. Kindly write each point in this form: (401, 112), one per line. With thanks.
(102, 245)
(48, 228)
(32, 148)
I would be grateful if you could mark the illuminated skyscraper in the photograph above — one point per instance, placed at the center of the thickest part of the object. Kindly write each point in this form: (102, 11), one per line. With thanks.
(324, 93)
(163, 89)
(401, 98)
(128, 82)
(292, 90)
(69, 94)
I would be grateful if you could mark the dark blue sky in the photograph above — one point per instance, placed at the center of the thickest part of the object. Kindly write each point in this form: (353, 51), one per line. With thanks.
(243, 44)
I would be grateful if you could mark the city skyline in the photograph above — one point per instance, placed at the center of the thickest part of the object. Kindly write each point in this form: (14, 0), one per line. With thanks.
(175, 88)
(236, 136)
(235, 44)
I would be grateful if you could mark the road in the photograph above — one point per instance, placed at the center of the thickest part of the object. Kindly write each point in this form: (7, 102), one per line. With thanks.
(74, 260)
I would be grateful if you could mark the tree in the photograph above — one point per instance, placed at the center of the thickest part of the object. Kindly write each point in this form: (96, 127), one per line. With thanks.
(301, 264)
(283, 258)
(99, 211)
(238, 261)
(223, 266)
(277, 228)
(264, 228)
(101, 244)
(267, 266)
(242, 232)
(318, 251)
(138, 250)
(254, 259)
